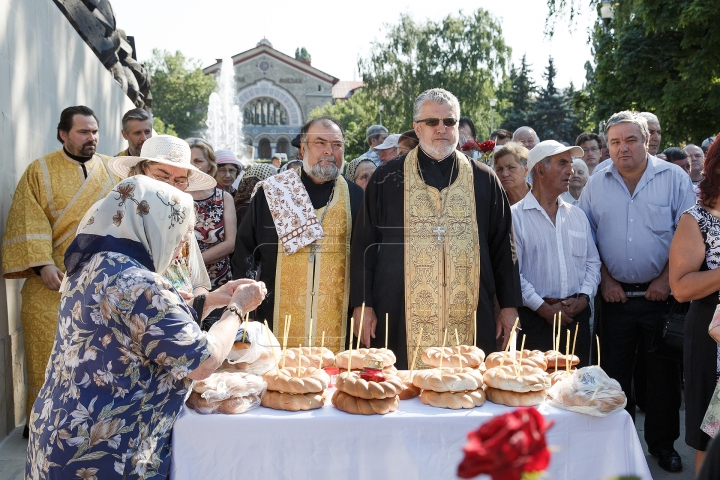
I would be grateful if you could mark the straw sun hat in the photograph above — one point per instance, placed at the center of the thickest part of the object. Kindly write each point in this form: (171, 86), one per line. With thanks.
(167, 150)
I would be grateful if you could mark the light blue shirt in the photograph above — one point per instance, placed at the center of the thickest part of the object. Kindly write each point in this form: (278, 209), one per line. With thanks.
(633, 232)
(372, 155)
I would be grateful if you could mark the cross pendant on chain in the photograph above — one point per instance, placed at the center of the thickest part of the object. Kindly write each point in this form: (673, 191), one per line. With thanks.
(439, 233)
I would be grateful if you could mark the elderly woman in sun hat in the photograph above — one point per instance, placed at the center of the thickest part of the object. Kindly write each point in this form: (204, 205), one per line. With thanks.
(255, 173)
(168, 159)
(126, 343)
(229, 169)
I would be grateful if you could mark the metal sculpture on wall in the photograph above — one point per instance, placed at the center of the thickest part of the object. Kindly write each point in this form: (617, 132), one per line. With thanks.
(94, 20)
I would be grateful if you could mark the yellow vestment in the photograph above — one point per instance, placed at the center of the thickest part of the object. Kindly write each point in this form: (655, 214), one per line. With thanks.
(49, 202)
(317, 289)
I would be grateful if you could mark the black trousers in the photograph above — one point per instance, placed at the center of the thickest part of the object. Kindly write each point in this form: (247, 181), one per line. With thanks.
(539, 334)
(626, 332)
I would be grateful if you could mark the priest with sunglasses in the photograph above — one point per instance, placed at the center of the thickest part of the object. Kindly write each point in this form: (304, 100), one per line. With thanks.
(433, 244)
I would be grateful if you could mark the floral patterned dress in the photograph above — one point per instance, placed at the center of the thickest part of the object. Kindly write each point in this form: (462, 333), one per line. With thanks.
(209, 231)
(116, 379)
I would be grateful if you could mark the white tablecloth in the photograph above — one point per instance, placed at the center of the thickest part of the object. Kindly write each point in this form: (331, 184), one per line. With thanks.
(416, 441)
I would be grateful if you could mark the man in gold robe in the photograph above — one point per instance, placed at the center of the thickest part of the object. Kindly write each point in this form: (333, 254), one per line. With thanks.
(50, 200)
(433, 244)
(295, 237)
(136, 128)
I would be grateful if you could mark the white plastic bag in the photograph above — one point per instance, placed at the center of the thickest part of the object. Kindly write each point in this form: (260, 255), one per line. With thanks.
(254, 355)
(227, 392)
(588, 390)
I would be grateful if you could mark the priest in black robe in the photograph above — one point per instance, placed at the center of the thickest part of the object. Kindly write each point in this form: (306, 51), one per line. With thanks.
(434, 229)
(318, 266)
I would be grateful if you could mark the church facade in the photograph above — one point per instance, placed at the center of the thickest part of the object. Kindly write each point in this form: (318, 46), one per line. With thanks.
(275, 93)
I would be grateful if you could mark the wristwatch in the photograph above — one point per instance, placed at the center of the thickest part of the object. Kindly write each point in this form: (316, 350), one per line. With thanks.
(235, 310)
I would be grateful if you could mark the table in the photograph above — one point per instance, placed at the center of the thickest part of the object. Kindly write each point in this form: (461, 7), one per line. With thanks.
(416, 441)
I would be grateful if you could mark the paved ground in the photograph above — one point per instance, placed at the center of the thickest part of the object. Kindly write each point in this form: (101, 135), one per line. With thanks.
(12, 455)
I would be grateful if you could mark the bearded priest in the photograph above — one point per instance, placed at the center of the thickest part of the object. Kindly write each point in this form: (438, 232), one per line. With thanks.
(295, 237)
(434, 244)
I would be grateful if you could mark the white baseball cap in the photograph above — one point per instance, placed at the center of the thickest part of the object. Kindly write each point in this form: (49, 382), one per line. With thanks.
(548, 148)
(390, 142)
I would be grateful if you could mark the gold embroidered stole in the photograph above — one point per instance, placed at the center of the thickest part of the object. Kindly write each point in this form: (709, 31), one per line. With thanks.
(50, 200)
(319, 289)
(442, 286)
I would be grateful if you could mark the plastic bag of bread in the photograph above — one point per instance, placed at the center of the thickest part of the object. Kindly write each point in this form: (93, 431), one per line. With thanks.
(253, 355)
(227, 392)
(588, 390)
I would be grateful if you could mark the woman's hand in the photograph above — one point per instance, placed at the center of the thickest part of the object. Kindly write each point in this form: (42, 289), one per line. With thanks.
(249, 295)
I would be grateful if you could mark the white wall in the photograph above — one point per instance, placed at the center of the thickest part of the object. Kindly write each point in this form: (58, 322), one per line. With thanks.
(45, 66)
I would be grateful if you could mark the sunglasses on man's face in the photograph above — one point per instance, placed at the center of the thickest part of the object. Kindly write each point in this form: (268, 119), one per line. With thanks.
(434, 122)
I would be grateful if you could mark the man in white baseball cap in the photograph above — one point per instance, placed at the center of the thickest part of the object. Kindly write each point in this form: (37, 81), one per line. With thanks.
(559, 262)
(389, 148)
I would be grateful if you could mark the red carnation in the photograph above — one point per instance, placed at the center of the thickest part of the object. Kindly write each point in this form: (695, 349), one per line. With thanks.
(507, 446)
(487, 146)
(470, 145)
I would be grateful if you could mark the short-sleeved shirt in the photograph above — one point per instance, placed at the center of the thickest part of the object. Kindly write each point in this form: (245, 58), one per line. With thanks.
(116, 378)
(633, 231)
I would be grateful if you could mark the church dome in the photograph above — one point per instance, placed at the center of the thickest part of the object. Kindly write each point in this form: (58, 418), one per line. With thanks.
(265, 42)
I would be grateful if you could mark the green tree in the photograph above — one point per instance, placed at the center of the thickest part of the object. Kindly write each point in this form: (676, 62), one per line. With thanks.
(553, 116)
(180, 92)
(517, 97)
(465, 54)
(162, 128)
(355, 115)
(302, 54)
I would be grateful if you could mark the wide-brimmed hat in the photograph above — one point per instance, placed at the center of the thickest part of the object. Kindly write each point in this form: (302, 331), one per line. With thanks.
(391, 141)
(167, 150)
(224, 157)
(548, 148)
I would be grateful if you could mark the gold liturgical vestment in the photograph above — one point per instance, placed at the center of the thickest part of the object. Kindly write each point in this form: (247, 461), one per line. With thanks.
(442, 258)
(317, 289)
(49, 202)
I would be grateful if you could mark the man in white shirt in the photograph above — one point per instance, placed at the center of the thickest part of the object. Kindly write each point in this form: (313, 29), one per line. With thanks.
(559, 262)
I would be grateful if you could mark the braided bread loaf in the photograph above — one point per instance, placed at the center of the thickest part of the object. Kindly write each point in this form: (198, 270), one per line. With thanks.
(311, 380)
(530, 379)
(448, 380)
(362, 406)
(358, 358)
(453, 400)
(410, 390)
(353, 385)
(558, 376)
(531, 358)
(461, 356)
(515, 399)
(562, 360)
(318, 357)
(292, 403)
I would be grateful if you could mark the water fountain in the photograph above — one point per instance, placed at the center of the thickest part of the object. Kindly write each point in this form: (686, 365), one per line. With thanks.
(224, 118)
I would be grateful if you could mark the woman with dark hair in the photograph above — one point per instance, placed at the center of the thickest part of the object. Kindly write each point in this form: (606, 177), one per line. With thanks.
(467, 131)
(695, 276)
(255, 173)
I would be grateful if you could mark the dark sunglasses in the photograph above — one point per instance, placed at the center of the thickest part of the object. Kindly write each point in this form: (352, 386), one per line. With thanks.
(433, 122)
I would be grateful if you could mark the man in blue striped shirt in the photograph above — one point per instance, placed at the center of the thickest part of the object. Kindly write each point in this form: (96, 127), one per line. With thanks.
(633, 206)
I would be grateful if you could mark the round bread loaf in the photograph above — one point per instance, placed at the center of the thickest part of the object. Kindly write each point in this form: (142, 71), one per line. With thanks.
(362, 406)
(358, 360)
(353, 385)
(193, 400)
(562, 360)
(453, 400)
(515, 399)
(530, 379)
(311, 380)
(318, 357)
(530, 358)
(292, 403)
(410, 390)
(460, 356)
(233, 405)
(558, 376)
(448, 380)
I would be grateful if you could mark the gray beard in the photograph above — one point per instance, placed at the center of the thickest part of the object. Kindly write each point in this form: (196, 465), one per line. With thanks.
(322, 172)
(438, 153)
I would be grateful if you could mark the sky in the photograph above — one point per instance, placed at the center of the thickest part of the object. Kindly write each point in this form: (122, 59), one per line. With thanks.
(336, 34)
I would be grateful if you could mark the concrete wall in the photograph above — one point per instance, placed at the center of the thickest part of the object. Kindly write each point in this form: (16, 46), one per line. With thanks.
(44, 67)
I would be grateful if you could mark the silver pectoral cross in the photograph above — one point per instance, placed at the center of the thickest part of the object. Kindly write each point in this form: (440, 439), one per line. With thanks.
(439, 234)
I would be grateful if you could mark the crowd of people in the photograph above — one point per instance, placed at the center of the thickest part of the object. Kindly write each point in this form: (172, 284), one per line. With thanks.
(138, 267)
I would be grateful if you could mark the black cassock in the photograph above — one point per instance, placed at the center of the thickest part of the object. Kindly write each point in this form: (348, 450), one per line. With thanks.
(378, 268)
(256, 243)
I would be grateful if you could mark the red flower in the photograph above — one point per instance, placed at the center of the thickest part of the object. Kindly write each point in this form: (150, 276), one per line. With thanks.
(469, 145)
(507, 446)
(487, 146)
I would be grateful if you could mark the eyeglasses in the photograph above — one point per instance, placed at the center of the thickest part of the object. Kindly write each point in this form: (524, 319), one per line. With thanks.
(434, 122)
(591, 149)
(327, 145)
(179, 185)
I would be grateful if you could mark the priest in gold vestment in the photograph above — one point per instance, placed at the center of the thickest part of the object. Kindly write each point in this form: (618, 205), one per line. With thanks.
(50, 200)
(433, 244)
(295, 237)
